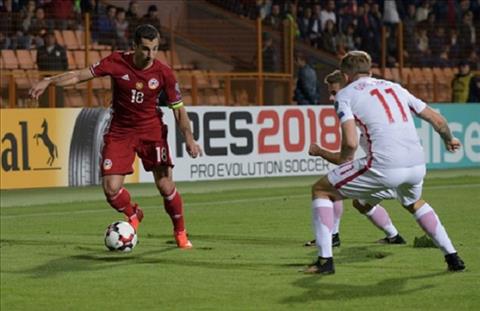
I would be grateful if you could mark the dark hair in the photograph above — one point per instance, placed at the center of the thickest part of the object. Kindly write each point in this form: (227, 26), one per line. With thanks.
(145, 31)
(152, 8)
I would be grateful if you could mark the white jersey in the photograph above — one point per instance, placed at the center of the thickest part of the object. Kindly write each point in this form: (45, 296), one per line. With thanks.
(381, 110)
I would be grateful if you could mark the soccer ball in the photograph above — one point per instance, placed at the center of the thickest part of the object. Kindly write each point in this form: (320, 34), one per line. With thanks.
(120, 236)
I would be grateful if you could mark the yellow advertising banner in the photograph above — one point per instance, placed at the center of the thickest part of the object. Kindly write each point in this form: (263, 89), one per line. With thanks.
(52, 147)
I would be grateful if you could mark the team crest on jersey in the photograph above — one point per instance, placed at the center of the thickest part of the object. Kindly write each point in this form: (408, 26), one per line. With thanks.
(139, 85)
(107, 164)
(153, 83)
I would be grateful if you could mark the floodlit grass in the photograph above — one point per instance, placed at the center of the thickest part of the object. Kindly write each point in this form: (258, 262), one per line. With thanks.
(248, 252)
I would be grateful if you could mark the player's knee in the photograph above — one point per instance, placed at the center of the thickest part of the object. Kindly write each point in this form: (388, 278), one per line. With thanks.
(165, 186)
(412, 208)
(362, 208)
(111, 189)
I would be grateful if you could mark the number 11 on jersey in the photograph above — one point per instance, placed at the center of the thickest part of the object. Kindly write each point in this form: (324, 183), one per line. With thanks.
(386, 107)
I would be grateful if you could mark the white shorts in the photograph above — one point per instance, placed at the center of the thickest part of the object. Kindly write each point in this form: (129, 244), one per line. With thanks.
(356, 180)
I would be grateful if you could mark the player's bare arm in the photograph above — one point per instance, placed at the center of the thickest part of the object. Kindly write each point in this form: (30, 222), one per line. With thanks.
(317, 151)
(349, 141)
(63, 79)
(183, 122)
(440, 125)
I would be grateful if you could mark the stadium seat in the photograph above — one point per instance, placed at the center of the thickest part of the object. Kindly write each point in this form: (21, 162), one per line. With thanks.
(184, 79)
(71, 42)
(74, 99)
(25, 60)
(79, 34)
(33, 53)
(105, 53)
(79, 56)
(94, 56)
(21, 79)
(221, 97)
(59, 37)
(162, 57)
(211, 97)
(202, 79)
(33, 76)
(376, 72)
(213, 80)
(71, 61)
(9, 59)
(187, 99)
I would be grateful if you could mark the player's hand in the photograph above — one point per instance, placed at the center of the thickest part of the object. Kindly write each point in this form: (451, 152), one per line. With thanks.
(194, 150)
(38, 89)
(314, 150)
(453, 144)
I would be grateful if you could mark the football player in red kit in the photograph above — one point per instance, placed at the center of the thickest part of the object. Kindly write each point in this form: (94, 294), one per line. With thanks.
(136, 125)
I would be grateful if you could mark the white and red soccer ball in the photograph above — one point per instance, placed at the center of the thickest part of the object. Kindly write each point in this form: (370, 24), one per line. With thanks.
(120, 236)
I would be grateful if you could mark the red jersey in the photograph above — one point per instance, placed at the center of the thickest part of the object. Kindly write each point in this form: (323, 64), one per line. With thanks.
(136, 91)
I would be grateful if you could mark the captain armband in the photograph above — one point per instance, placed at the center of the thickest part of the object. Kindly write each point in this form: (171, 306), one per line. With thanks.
(176, 105)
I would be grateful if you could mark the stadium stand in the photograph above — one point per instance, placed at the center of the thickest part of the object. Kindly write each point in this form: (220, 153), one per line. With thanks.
(220, 35)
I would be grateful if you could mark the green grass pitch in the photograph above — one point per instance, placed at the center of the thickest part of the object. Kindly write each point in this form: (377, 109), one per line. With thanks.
(247, 236)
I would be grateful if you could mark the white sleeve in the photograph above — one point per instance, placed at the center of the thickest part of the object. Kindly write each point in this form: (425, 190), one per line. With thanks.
(342, 107)
(415, 104)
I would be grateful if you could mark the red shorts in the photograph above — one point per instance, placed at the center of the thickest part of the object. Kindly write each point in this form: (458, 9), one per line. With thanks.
(119, 151)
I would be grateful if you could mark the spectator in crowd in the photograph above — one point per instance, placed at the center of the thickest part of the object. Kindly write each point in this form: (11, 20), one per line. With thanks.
(291, 17)
(474, 92)
(423, 11)
(329, 40)
(304, 23)
(328, 14)
(106, 33)
(473, 60)
(39, 26)
(391, 47)
(442, 58)
(454, 44)
(461, 83)
(314, 29)
(431, 24)
(306, 91)
(422, 45)
(121, 25)
(133, 17)
(52, 57)
(366, 27)
(61, 12)
(274, 20)
(437, 40)
(23, 38)
(152, 18)
(390, 12)
(467, 34)
(263, 8)
(409, 21)
(269, 54)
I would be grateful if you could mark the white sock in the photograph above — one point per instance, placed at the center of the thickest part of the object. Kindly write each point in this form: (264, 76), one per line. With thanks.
(430, 223)
(380, 218)
(322, 220)
(337, 215)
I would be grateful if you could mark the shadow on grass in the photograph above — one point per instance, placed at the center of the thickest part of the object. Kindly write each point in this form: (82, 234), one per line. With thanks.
(320, 289)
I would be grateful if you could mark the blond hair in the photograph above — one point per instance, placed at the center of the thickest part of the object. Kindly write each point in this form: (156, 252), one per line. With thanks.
(335, 76)
(355, 62)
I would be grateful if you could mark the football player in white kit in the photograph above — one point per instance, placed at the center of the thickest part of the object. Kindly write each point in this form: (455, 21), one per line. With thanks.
(377, 215)
(394, 166)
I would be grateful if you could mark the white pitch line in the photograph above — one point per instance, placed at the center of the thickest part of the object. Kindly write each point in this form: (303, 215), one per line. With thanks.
(279, 197)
